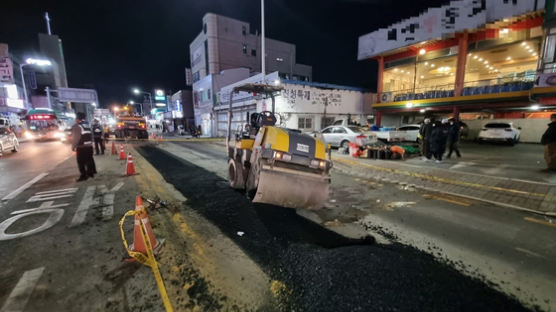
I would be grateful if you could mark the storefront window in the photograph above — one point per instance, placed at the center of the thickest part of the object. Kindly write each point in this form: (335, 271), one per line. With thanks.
(501, 69)
(421, 79)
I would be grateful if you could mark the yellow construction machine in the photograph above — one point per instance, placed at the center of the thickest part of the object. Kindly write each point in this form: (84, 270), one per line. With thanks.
(275, 165)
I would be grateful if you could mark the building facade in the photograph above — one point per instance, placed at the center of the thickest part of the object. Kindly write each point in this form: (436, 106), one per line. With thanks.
(474, 60)
(226, 43)
(205, 92)
(12, 98)
(303, 105)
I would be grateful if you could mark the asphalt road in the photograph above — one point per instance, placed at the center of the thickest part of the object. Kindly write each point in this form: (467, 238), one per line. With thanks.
(33, 159)
(521, 161)
(498, 246)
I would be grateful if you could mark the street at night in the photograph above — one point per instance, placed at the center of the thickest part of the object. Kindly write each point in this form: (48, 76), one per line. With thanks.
(273, 155)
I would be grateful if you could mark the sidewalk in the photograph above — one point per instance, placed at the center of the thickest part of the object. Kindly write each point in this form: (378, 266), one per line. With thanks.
(525, 195)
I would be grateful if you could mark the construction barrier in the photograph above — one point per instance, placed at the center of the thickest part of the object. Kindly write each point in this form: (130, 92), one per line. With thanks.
(122, 152)
(130, 168)
(143, 229)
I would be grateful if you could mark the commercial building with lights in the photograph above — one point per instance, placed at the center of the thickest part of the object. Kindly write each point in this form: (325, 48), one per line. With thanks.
(12, 103)
(475, 60)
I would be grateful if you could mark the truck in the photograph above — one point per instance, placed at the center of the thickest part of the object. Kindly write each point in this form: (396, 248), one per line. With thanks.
(131, 127)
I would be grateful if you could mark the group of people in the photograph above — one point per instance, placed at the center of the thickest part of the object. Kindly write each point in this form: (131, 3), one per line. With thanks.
(436, 136)
(83, 137)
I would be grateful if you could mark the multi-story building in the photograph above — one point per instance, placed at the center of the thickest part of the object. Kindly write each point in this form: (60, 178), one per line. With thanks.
(180, 107)
(307, 106)
(475, 60)
(12, 103)
(226, 43)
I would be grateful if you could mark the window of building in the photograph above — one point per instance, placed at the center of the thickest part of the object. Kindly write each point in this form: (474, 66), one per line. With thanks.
(327, 121)
(421, 78)
(305, 123)
(244, 30)
(244, 48)
(208, 93)
(502, 68)
(253, 52)
(206, 57)
(204, 28)
(196, 76)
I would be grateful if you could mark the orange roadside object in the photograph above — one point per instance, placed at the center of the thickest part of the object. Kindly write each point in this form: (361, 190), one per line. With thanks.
(130, 168)
(122, 153)
(141, 219)
(114, 151)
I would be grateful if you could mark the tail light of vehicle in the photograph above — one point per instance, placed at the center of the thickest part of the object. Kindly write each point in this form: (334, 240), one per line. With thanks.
(508, 129)
(119, 125)
(142, 125)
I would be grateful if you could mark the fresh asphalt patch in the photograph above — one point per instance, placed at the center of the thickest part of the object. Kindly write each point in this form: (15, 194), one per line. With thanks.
(319, 270)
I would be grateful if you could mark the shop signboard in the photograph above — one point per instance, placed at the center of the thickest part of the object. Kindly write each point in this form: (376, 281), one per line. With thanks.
(6, 70)
(546, 80)
(436, 23)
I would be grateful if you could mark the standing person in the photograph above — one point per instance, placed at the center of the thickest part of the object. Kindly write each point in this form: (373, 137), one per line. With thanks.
(549, 141)
(82, 144)
(438, 139)
(97, 135)
(453, 137)
(426, 131)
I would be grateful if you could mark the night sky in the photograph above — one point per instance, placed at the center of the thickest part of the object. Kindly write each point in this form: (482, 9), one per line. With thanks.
(116, 45)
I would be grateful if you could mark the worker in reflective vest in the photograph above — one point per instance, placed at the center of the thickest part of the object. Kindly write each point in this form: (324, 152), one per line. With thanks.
(98, 137)
(82, 144)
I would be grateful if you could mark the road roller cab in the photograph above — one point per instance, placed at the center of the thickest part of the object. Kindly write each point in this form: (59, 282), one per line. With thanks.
(277, 165)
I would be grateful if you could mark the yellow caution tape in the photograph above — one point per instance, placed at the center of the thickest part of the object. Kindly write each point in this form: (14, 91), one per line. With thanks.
(148, 260)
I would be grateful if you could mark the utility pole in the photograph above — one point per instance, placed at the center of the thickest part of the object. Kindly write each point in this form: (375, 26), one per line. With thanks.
(47, 18)
(263, 54)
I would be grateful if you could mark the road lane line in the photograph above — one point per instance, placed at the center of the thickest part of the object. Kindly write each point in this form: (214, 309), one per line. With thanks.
(529, 252)
(83, 207)
(73, 189)
(25, 186)
(22, 291)
(449, 200)
(539, 221)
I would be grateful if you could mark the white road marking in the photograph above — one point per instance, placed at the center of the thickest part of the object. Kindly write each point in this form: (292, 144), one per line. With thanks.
(529, 252)
(25, 186)
(496, 170)
(44, 205)
(462, 164)
(108, 200)
(73, 189)
(22, 291)
(54, 194)
(55, 215)
(83, 207)
(108, 209)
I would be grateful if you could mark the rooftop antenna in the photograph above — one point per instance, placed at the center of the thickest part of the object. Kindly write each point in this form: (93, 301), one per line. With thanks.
(47, 18)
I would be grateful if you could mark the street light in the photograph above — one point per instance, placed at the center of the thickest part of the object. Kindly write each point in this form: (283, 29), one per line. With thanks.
(31, 61)
(137, 91)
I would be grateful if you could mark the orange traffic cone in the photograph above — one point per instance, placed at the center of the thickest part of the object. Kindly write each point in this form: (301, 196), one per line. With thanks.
(141, 219)
(122, 153)
(153, 136)
(159, 139)
(114, 151)
(130, 168)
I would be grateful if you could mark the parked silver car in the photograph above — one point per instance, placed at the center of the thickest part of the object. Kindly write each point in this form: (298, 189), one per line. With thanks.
(8, 140)
(340, 136)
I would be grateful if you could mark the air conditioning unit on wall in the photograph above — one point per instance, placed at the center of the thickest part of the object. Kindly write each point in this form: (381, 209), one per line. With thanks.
(386, 97)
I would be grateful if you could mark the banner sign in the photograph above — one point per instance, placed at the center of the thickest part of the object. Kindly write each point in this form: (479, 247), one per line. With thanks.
(436, 23)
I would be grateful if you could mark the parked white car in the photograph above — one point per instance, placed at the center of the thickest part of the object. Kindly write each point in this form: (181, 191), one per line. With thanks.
(8, 141)
(340, 136)
(499, 132)
(411, 132)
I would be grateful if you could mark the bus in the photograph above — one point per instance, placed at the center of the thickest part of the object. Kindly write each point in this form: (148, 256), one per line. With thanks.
(43, 124)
